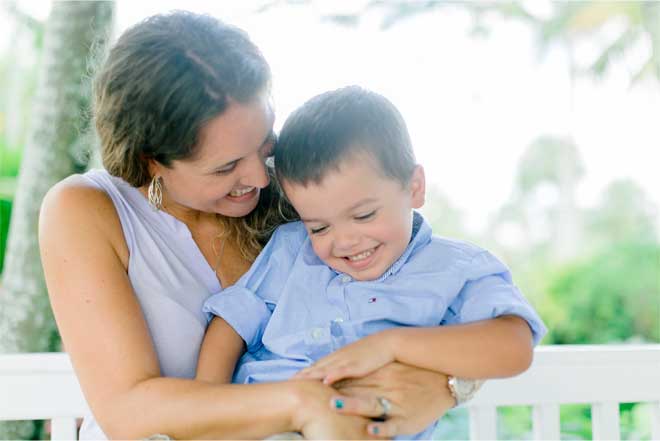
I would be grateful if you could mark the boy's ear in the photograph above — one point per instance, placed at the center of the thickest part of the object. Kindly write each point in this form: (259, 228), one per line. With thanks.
(418, 187)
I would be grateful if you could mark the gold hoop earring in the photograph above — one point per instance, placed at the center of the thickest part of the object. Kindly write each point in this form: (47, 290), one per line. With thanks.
(156, 193)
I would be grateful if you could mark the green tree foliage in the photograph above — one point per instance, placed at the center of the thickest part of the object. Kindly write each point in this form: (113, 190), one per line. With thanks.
(549, 159)
(624, 213)
(612, 297)
(9, 164)
(74, 31)
(640, 24)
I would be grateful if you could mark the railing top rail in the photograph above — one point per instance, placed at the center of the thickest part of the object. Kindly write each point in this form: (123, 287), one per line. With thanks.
(45, 362)
(559, 374)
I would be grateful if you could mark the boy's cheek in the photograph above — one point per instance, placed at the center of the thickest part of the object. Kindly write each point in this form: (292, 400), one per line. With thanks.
(322, 249)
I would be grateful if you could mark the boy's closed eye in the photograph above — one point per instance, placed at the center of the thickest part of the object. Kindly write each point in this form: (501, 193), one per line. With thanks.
(362, 217)
(367, 216)
(318, 230)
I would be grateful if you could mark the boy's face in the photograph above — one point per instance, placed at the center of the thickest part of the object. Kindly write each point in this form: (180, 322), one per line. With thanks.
(359, 222)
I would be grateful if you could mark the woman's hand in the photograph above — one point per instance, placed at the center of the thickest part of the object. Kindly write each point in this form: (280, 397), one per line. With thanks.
(316, 419)
(418, 398)
(355, 360)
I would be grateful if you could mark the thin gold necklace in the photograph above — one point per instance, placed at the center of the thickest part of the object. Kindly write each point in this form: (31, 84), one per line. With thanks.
(218, 254)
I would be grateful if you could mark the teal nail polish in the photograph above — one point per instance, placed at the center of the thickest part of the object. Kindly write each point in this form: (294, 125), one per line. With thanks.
(339, 404)
(375, 430)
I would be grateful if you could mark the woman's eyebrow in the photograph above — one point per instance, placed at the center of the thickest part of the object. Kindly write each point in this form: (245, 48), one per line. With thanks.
(270, 137)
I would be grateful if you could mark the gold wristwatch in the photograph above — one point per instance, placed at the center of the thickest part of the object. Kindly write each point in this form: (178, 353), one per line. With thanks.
(462, 389)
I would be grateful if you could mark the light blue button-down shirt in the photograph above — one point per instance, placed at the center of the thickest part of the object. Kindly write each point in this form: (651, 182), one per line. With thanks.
(292, 309)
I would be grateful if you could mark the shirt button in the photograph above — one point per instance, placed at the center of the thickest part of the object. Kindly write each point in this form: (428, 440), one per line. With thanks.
(345, 278)
(317, 333)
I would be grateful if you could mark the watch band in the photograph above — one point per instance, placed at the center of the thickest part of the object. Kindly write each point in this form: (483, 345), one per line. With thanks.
(463, 389)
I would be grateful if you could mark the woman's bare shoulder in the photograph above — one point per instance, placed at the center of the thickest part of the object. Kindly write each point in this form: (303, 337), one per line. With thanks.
(75, 191)
(76, 203)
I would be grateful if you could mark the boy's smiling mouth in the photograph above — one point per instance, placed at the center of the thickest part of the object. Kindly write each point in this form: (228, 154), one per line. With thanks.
(363, 259)
(361, 256)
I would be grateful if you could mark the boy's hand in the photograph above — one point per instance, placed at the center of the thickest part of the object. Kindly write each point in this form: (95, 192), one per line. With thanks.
(353, 361)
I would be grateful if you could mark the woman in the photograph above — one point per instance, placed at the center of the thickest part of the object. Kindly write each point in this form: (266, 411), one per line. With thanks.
(182, 110)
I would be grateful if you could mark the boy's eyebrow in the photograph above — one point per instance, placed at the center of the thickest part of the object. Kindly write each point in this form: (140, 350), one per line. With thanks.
(270, 136)
(364, 201)
(351, 208)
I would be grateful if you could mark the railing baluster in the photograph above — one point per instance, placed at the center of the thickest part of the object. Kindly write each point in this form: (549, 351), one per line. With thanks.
(605, 421)
(483, 422)
(63, 429)
(655, 420)
(545, 421)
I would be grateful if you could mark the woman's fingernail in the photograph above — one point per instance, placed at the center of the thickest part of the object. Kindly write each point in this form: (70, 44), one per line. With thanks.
(338, 403)
(374, 430)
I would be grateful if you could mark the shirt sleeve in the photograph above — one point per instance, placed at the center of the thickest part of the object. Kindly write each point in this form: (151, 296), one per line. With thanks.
(248, 305)
(489, 292)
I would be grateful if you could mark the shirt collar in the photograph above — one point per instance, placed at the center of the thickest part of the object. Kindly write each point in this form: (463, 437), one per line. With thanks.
(421, 234)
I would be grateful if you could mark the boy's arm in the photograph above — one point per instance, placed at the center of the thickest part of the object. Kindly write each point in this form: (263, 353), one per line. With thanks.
(240, 313)
(490, 331)
(221, 349)
(499, 347)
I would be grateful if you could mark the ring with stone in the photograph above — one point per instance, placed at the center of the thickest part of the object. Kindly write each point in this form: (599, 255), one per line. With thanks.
(386, 405)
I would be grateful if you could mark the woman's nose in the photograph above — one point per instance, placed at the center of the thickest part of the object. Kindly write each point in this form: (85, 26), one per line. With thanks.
(255, 173)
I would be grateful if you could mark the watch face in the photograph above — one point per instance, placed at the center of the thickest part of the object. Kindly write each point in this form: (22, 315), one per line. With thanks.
(466, 386)
(465, 389)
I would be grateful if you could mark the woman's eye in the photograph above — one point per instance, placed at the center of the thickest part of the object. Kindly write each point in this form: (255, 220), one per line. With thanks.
(226, 170)
(366, 216)
(317, 230)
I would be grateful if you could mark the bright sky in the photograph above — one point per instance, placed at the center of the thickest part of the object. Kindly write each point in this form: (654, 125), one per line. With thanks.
(472, 104)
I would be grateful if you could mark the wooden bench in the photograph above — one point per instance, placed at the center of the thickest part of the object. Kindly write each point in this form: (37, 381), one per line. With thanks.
(44, 387)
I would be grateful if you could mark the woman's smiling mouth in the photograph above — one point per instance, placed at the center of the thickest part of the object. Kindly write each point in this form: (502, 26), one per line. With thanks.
(243, 194)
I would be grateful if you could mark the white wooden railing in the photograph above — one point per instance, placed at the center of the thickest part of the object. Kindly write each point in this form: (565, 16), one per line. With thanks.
(44, 387)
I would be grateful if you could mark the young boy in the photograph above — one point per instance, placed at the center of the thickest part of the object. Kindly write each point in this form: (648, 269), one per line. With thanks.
(360, 281)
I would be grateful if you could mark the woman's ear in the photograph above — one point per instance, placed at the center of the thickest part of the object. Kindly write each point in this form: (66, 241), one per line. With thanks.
(153, 167)
(418, 187)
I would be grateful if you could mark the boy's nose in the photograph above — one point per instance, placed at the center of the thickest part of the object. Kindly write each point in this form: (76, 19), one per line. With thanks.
(346, 241)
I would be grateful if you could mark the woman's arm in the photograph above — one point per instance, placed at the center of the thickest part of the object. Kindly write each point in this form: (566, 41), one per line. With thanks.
(85, 259)
(418, 398)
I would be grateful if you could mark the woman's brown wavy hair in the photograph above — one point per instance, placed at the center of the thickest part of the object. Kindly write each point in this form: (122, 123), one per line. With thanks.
(162, 81)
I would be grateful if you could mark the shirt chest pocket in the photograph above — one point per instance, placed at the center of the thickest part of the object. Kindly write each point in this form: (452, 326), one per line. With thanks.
(400, 310)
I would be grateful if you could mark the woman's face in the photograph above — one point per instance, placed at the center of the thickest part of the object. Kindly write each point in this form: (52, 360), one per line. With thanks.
(227, 171)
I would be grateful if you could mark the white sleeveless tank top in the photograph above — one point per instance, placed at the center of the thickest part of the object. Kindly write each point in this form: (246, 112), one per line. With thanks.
(170, 277)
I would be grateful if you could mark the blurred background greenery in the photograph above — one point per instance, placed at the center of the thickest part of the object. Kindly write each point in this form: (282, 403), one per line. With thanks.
(591, 266)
